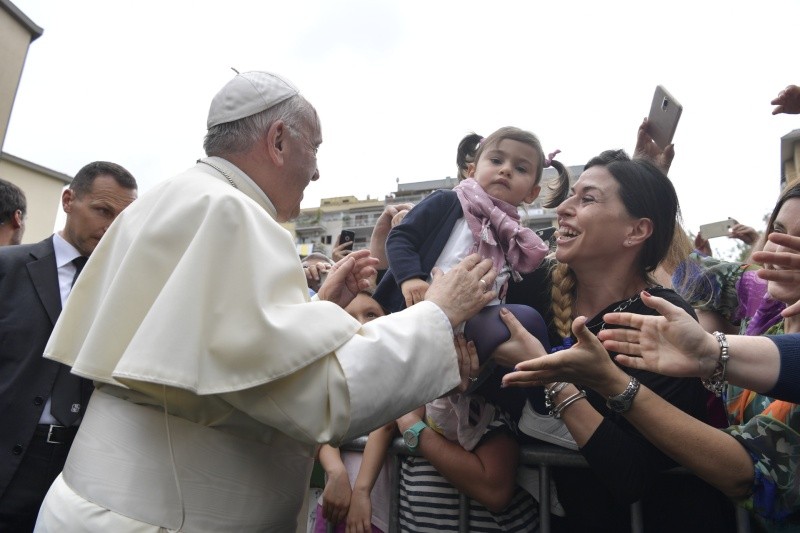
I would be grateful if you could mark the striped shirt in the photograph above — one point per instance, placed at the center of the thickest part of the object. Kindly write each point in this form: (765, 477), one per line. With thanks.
(429, 503)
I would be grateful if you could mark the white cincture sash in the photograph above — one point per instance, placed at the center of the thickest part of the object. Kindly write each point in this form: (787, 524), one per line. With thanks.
(121, 460)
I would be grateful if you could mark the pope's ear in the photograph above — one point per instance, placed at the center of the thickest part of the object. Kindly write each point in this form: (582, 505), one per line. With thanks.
(276, 140)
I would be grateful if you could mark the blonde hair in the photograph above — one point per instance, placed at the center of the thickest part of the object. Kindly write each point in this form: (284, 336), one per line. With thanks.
(679, 250)
(562, 293)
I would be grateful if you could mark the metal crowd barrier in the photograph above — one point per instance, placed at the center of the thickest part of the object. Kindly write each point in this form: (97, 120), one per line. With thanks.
(541, 456)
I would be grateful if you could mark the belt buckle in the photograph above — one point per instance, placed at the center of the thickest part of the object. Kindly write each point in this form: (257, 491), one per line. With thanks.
(50, 434)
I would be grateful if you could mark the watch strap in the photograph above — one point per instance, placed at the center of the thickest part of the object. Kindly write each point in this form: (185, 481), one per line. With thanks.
(622, 402)
(415, 429)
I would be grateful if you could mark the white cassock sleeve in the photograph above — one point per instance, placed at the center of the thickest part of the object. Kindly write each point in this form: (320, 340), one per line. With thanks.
(391, 366)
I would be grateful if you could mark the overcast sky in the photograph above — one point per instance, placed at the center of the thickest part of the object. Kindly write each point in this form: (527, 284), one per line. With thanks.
(397, 84)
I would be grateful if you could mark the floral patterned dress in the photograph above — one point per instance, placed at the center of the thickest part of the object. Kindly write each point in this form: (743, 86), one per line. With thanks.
(769, 429)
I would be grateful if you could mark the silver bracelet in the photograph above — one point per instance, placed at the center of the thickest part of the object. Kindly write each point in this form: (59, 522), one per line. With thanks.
(566, 403)
(549, 394)
(716, 381)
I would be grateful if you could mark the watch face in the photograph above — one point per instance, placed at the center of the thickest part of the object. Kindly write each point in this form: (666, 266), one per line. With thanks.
(410, 438)
(618, 405)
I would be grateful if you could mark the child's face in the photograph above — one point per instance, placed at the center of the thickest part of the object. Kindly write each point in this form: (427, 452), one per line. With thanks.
(364, 309)
(507, 171)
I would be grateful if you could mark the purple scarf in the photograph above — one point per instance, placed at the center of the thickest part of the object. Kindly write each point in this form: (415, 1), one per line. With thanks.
(755, 302)
(497, 233)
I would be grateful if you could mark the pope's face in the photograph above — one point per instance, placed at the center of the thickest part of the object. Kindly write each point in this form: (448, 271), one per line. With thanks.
(301, 145)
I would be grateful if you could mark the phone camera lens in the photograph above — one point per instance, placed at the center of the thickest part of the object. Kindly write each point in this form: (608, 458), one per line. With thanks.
(664, 104)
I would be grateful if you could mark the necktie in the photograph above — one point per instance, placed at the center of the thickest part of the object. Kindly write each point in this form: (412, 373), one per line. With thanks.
(79, 263)
(67, 400)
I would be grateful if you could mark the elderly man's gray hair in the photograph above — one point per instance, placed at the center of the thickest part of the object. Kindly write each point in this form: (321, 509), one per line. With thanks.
(240, 135)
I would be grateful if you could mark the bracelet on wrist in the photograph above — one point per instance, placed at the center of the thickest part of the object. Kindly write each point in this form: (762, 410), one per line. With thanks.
(566, 403)
(716, 381)
(550, 393)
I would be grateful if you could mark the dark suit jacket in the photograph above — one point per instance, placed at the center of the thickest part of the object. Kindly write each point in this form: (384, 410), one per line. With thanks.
(30, 303)
(414, 245)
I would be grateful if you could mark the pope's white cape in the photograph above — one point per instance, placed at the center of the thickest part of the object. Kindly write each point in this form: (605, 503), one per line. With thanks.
(197, 287)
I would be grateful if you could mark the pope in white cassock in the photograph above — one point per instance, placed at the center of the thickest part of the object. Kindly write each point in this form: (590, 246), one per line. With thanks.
(215, 376)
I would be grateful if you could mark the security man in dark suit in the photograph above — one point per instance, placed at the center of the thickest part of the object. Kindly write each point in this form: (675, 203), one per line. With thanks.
(41, 402)
(13, 206)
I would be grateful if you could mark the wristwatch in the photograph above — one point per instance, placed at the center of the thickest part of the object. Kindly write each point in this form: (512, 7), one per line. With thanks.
(623, 402)
(411, 435)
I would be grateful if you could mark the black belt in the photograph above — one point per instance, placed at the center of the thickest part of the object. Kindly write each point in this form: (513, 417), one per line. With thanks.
(56, 434)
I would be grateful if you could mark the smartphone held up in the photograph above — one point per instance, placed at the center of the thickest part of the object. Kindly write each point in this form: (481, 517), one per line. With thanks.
(717, 229)
(665, 112)
(347, 236)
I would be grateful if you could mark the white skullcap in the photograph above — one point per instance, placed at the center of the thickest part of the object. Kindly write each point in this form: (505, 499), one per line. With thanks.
(247, 94)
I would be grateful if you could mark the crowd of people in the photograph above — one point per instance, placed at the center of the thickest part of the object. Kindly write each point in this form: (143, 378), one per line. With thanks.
(180, 390)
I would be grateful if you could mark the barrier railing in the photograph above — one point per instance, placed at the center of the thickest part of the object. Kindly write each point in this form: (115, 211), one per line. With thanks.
(540, 456)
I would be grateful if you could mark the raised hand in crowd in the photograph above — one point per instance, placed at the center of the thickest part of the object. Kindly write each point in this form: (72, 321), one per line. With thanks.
(392, 215)
(316, 266)
(744, 233)
(315, 272)
(669, 344)
(586, 362)
(674, 344)
(646, 148)
(787, 261)
(787, 101)
(702, 245)
(341, 250)
(348, 277)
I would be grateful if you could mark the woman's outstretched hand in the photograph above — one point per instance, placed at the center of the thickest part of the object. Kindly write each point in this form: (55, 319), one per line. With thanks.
(587, 362)
(673, 344)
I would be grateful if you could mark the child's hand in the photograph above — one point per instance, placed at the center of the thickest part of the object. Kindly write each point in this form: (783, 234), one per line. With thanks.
(414, 290)
(336, 496)
(359, 518)
(315, 274)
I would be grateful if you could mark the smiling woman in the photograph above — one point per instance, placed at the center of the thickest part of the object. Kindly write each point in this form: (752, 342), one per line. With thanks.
(755, 459)
(786, 220)
(613, 232)
(766, 427)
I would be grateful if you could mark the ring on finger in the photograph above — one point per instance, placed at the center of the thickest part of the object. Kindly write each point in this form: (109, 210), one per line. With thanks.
(471, 379)
(485, 285)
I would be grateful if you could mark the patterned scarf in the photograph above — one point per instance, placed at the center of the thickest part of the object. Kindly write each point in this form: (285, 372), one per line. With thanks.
(497, 232)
